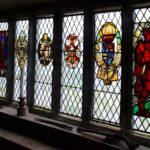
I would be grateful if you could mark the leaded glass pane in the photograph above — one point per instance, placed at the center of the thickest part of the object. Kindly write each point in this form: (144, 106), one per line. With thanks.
(44, 64)
(141, 70)
(22, 28)
(3, 57)
(107, 77)
(72, 65)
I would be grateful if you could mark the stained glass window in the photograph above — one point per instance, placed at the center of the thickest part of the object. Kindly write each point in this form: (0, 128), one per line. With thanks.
(141, 70)
(3, 57)
(21, 50)
(72, 65)
(44, 65)
(107, 77)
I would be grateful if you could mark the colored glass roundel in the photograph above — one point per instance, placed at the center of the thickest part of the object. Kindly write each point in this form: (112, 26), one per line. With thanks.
(142, 71)
(108, 57)
(22, 49)
(72, 51)
(3, 52)
(44, 50)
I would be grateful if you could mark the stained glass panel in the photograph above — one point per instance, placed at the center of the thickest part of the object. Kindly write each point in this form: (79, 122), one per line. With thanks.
(44, 65)
(3, 57)
(107, 77)
(72, 65)
(21, 35)
(141, 71)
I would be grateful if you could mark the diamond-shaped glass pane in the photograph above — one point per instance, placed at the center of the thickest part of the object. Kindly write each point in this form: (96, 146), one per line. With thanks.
(22, 25)
(3, 57)
(44, 65)
(141, 71)
(107, 77)
(3, 26)
(72, 65)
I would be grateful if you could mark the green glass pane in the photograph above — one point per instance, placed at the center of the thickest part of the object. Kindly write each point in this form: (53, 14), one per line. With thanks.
(147, 106)
(135, 109)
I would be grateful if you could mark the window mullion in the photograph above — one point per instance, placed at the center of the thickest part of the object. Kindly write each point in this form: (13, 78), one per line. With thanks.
(126, 84)
(10, 65)
(31, 62)
(56, 75)
(87, 66)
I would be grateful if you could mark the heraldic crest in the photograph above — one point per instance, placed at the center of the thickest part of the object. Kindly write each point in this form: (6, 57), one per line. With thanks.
(107, 54)
(22, 49)
(44, 50)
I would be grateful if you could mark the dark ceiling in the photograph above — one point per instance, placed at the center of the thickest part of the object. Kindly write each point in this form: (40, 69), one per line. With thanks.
(10, 4)
(16, 4)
